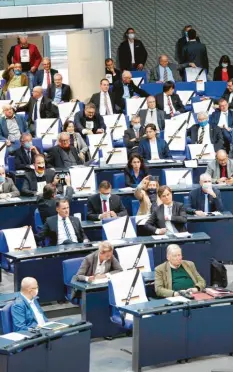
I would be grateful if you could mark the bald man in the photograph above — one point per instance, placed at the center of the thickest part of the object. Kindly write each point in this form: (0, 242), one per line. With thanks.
(26, 311)
(221, 169)
(45, 77)
(167, 71)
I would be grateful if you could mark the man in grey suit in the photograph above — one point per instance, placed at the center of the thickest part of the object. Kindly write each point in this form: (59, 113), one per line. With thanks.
(152, 115)
(7, 187)
(167, 71)
(98, 265)
(221, 169)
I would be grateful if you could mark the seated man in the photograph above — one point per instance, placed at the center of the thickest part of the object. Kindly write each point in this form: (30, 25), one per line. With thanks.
(221, 169)
(63, 155)
(152, 115)
(126, 88)
(62, 228)
(105, 205)
(14, 77)
(204, 133)
(11, 125)
(228, 94)
(177, 274)
(152, 147)
(25, 311)
(165, 70)
(168, 101)
(59, 92)
(44, 77)
(204, 199)
(36, 179)
(111, 73)
(98, 264)
(133, 135)
(7, 187)
(104, 101)
(89, 122)
(25, 154)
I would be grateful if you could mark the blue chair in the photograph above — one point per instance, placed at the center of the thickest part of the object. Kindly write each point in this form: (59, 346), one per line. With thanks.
(186, 201)
(152, 88)
(151, 258)
(184, 85)
(85, 212)
(37, 221)
(215, 89)
(5, 263)
(165, 173)
(6, 319)
(70, 268)
(139, 74)
(118, 180)
(135, 207)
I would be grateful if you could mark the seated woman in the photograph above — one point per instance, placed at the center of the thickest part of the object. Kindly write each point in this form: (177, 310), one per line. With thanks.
(224, 71)
(146, 193)
(135, 170)
(153, 148)
(76, 140)
(169, 217)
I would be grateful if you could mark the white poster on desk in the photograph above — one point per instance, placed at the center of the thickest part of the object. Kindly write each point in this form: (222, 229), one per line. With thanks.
(174, 176)
(185, 96)
(128, 255)
(171, 127)
(17, 93)
(193, 74)
(42, 126)
(106, 145)
(120, 128)
(78, 176)
(133, 104)
(114, 229)
(117, 156)
(65, 110)
(204, 106)
(14, 238)
(197, 149)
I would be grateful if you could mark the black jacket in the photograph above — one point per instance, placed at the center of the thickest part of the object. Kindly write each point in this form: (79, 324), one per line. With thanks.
(29, 187)
(94, 207)
(176, 101)
(218, 73)
(118, 89)
(65, 92)
(125, 58)
(55, 157)
(39, 76)
(129, 181)
(181, 43)
(226, 96)
(196, 52)
(22, 160)
(80, 122)
(47, 109)
(197, 201)
(216, 136)
(114, 77)
(96, 100)
(132, 147)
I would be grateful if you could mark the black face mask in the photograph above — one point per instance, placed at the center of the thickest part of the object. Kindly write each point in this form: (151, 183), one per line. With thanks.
(152, 191)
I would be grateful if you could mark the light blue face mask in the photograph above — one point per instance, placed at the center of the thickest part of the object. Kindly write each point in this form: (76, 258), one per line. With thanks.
(224, 65)
(17, 72)
(27, 145)
(137, 126)
(105, 197)
(2, 179)
(203, 123)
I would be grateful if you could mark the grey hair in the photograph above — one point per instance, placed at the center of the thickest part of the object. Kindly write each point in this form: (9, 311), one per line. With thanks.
(172, 247)
(27, 282)
(125, 72)
(205, 177)
(105, 245)
(62, 134)
(57, 74)
(202, 113)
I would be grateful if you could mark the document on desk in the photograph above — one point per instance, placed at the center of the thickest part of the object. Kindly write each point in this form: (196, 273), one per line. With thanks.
(159, 237)
(14, 336)
(14, 238)
(178, 299)
(126, 189)
(54, 326)
(185, 234)
(158, 161)
(100, 281)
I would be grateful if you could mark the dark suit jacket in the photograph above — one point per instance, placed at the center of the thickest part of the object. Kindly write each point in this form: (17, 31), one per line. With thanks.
(118, 89)
(29, 187)
(129, 180)
(227, 137)
(116, 77)
(50, 230)
(196, 52)
(94, 207)
(55, 157)
(218, 73)
(226, 96)
(216, 137)
(10, 55)
(125, 58)
(9, 187)
(80, 122)
(21, 158)
(96, 100)
(180, 46)
(157, 221)
(65, 92)
(39, 76)
(160, 118)
(132, 147)
(176, 101)
(163, 149)
(197, 201)
(4, 133)
(47, 109)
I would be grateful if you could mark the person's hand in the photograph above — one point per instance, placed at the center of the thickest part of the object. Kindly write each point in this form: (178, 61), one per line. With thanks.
(229, 181)
(11, 66)
(100, 130)
(162, 231)
(211, 192)
(100, 276)
(204, 98)
(33, 148)
(33, 69)
(145, 181)
(140, 66)
(200, 213)
(68, 180)
(111, 69)
(82, 156)
(8, 143)
(132, 140)
(56, 180)
(228, 129)
(104, 215)
(221, 180)
(89, 131)
(176, 294)
(192, 290)
(172, 114)
(91, 278)
(3, 196)
(113, 214)
(191, 64)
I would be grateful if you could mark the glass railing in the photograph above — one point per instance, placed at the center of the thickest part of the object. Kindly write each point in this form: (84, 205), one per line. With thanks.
(39, 2)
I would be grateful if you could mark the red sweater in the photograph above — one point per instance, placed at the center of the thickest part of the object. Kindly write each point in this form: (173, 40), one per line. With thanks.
(35, 57)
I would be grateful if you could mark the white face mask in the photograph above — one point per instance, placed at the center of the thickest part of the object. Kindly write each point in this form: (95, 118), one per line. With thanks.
(207, 185)
(131, 36)
(137, 126)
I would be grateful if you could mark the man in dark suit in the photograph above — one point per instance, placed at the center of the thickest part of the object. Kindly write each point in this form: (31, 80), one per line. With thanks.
(25, 154)
(152, 147)
(89, 121)
(11, 125)
(38, 107)
(169, 217)
(63, 155)
(133, 135)
(104, 101)
(45, 77)
(7, 187)
(131, 52)
(195, 52)
(111, 73)
(152, 115)
(63, 228)
(126, 88)
(228, 94)
(59, 92)
(205, 198)
(105, 205)
(168, 101)
(182, 42)
(204, 133)
(37, 178)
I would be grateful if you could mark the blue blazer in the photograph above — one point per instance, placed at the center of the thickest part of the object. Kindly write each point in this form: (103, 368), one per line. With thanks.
(39, 77)
(214, 119)
(196, 201)
(22, 315)
(23, 127)
(163, 149)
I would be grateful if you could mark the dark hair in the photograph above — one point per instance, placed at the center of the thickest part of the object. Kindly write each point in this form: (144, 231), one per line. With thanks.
(104, 79)
(105, 185)
(224, 59)
(222, 100)
(125, 36)
(162, 189)
(192, 34)
(168, 85)
(49, 191)
(39, 156)
(136, 156)
(66, 124)
(230, 80)
(108, 60)
(151, 126)
(60, 201)
(187, 26)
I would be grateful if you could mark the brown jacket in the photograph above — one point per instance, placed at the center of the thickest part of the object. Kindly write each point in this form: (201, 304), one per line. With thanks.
(145, 203)
(8, 75)
(163, 278)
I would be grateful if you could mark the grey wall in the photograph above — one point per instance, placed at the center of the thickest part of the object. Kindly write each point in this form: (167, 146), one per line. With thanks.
(158, 24)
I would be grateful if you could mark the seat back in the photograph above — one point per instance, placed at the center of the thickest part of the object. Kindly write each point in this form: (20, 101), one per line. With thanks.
(180, 85)
(174, 176)
(215, 89)
(5, 264)
(70, 268)
(6, 319)
(140, 75)
(135, 207)
(118, 180)
(152, 88)
(151, 258)
(37, 220)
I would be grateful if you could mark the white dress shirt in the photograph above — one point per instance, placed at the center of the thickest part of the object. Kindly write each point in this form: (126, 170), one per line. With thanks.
(38, 108)
(166, 106)
(206, 138)
(44, 84)
(131, 45)
(168, 213)
(100, 267)
(38, 315)
(154, 150)
(230, 98)
(223, 120)
(151, 118)
(62, 236)
(102, 109)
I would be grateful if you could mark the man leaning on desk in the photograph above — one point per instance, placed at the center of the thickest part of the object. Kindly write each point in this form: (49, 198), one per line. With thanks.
(221, 169)
(177, 274)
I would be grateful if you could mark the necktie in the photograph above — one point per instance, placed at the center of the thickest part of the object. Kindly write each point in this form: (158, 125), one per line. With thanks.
(29, 156)
(48, 78)
(106, 103)
(165, 75)
(35, 111)
(137, 133)
(66, 229)
(223, 171)
(151, 113)
(201, 136)
(104, 206)
(170, 105)
(206, 204)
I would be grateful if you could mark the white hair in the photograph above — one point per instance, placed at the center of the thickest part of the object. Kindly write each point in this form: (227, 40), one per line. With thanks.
(62, 134)
(126, 73)
(171, 248)
(202, 113)
(27, 283)
(205, 177)
(105, 245)
(57, 74)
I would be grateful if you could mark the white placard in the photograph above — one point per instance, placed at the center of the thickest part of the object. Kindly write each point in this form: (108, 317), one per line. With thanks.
(193, 72)
(191, 163)
(40, 187)
(173, 176)
(106, 146)
(196, 150)
(17, 93)
(24, 55)
(138, 80)
(202, 106)
(200, 86)
(42, 126)
(78, 175)
(14, 238)
(133, 104)
(65, 110)
(119, 156)
(185, 96)
(109, 77)
(119, 130)
(171, 126)
(128, 255)
(114, 229)
(2, 153)
(186, 116)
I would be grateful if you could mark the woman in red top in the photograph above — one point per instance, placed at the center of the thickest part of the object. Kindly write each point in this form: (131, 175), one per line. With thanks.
(224, 71)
